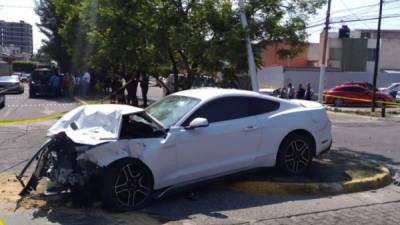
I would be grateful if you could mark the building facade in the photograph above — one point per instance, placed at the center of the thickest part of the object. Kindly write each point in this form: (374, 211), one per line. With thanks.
(349, 58)
(16, 35)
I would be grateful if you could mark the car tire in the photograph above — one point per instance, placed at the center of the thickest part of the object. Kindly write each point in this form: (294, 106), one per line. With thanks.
(2, 105)
(295, 154)
(338, 102)
(126, 185)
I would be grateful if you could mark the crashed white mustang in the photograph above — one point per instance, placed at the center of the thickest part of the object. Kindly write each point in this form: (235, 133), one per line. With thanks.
(132, 155)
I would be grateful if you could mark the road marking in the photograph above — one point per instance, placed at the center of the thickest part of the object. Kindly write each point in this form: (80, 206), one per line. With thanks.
(40, 105)
(30, 120)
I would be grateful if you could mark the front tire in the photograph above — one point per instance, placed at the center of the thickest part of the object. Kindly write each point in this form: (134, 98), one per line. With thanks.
(126, 185)
(295, 154)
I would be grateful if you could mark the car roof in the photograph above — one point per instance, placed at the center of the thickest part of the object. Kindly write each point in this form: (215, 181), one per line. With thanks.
(349, 85)
(208, 93)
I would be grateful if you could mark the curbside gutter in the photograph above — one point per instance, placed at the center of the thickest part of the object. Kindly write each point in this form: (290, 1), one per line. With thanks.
(333, 188)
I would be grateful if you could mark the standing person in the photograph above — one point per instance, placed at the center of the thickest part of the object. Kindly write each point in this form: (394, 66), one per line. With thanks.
(54, 83)
(77, 84)
(118, 91)
(300, 92)
(309, 92)
(144, 85)
(107, 85)
(86, 83)
(290, 91)
(64, 85)
(282, 93)
(71, 84)
(131, 87)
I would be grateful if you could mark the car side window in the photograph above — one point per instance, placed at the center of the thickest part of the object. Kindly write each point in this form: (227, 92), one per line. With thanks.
(230, 108)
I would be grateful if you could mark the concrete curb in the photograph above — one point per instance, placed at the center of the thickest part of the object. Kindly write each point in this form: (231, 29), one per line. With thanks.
(285, 188)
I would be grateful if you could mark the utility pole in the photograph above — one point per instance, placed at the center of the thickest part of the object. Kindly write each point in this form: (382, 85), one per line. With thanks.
(323, 63)
(378, 47)
(250, 55)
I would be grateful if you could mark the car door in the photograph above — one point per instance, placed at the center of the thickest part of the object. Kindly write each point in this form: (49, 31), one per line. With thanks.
(229, 143)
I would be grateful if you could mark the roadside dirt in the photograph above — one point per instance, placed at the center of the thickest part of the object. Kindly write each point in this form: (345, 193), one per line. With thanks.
(58, 207)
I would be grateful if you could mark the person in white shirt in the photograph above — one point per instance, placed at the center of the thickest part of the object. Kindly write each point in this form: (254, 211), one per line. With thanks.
(86, 83)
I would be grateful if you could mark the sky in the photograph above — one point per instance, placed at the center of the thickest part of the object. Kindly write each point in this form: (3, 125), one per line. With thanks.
(16, 10)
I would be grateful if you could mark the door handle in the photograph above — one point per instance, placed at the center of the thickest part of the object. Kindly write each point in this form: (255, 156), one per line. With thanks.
(250, 128)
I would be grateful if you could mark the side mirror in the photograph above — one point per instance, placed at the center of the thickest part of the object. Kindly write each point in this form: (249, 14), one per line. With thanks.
(197, 122)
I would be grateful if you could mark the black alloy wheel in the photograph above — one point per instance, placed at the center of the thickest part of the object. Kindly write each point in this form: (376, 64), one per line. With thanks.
(127, 185)
(296, 154)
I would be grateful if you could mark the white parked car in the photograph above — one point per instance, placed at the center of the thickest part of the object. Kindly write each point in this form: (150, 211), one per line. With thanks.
(391, 90)
(132, 155)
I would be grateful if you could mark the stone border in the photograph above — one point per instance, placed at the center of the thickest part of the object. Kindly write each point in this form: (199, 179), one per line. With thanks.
(324, 188)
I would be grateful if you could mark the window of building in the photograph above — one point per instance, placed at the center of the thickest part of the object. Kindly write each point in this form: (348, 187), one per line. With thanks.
(371, 54)
(335, 53)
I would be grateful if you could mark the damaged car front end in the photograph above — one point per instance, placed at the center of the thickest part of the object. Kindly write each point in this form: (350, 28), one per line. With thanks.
(56, 160)
(79, 144)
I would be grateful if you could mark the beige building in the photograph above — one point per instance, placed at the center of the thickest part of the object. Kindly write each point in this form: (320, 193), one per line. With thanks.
(357, 53)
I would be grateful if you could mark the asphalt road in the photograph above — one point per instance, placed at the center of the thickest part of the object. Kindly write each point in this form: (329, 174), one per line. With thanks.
(20, 106)
(371, 138)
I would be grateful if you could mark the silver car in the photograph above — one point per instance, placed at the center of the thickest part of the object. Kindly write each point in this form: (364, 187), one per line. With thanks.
(11, 84)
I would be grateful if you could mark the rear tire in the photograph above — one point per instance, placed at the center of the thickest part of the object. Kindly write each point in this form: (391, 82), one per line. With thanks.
(295, 154)
(126, 185)
(338, 102)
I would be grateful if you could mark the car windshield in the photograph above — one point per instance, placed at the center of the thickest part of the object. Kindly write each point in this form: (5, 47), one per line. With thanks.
(172, 108)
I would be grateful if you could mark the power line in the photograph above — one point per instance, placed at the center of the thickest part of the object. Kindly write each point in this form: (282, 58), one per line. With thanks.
(356, 16)
(356, 20)
(354, 10)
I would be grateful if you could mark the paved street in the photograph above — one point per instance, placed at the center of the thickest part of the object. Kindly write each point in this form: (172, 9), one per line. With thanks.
(20, 106)
(371, 138)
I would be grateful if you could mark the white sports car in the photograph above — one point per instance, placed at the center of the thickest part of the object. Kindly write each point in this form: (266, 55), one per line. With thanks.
(132, 155)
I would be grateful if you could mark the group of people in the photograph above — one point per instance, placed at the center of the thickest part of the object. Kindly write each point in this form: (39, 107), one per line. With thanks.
(290, 92)
(69, 85)
(117, 88)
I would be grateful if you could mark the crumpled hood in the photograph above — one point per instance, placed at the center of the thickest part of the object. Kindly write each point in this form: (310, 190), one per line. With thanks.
(92, 124)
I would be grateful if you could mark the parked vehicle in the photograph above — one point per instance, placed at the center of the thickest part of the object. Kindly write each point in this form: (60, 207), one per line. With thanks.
(353, 95)
(11, 84)
(391, 90)
(2, 98)
(132, 155)
(25, 77)
(39, 83)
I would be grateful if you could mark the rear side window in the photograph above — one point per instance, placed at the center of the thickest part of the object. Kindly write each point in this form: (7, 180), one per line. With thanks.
(230, 108)
(353, 89)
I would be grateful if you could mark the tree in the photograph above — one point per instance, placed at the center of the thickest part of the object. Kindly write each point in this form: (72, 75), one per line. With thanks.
(51, 21)
(191, 37)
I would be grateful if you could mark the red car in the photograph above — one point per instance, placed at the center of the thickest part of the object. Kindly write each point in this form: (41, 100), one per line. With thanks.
(353, 95)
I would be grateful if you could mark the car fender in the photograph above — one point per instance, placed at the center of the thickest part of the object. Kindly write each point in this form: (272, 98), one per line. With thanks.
(283, 123)
(105, 154)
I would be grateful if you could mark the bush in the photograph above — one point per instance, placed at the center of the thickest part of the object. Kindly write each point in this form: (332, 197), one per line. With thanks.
(24, 66)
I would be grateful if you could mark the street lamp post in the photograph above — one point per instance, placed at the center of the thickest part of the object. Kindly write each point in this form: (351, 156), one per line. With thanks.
(250, 55)
(323, 63)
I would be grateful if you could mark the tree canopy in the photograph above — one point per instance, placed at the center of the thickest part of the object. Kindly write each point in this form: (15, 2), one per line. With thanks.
(191, 37)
